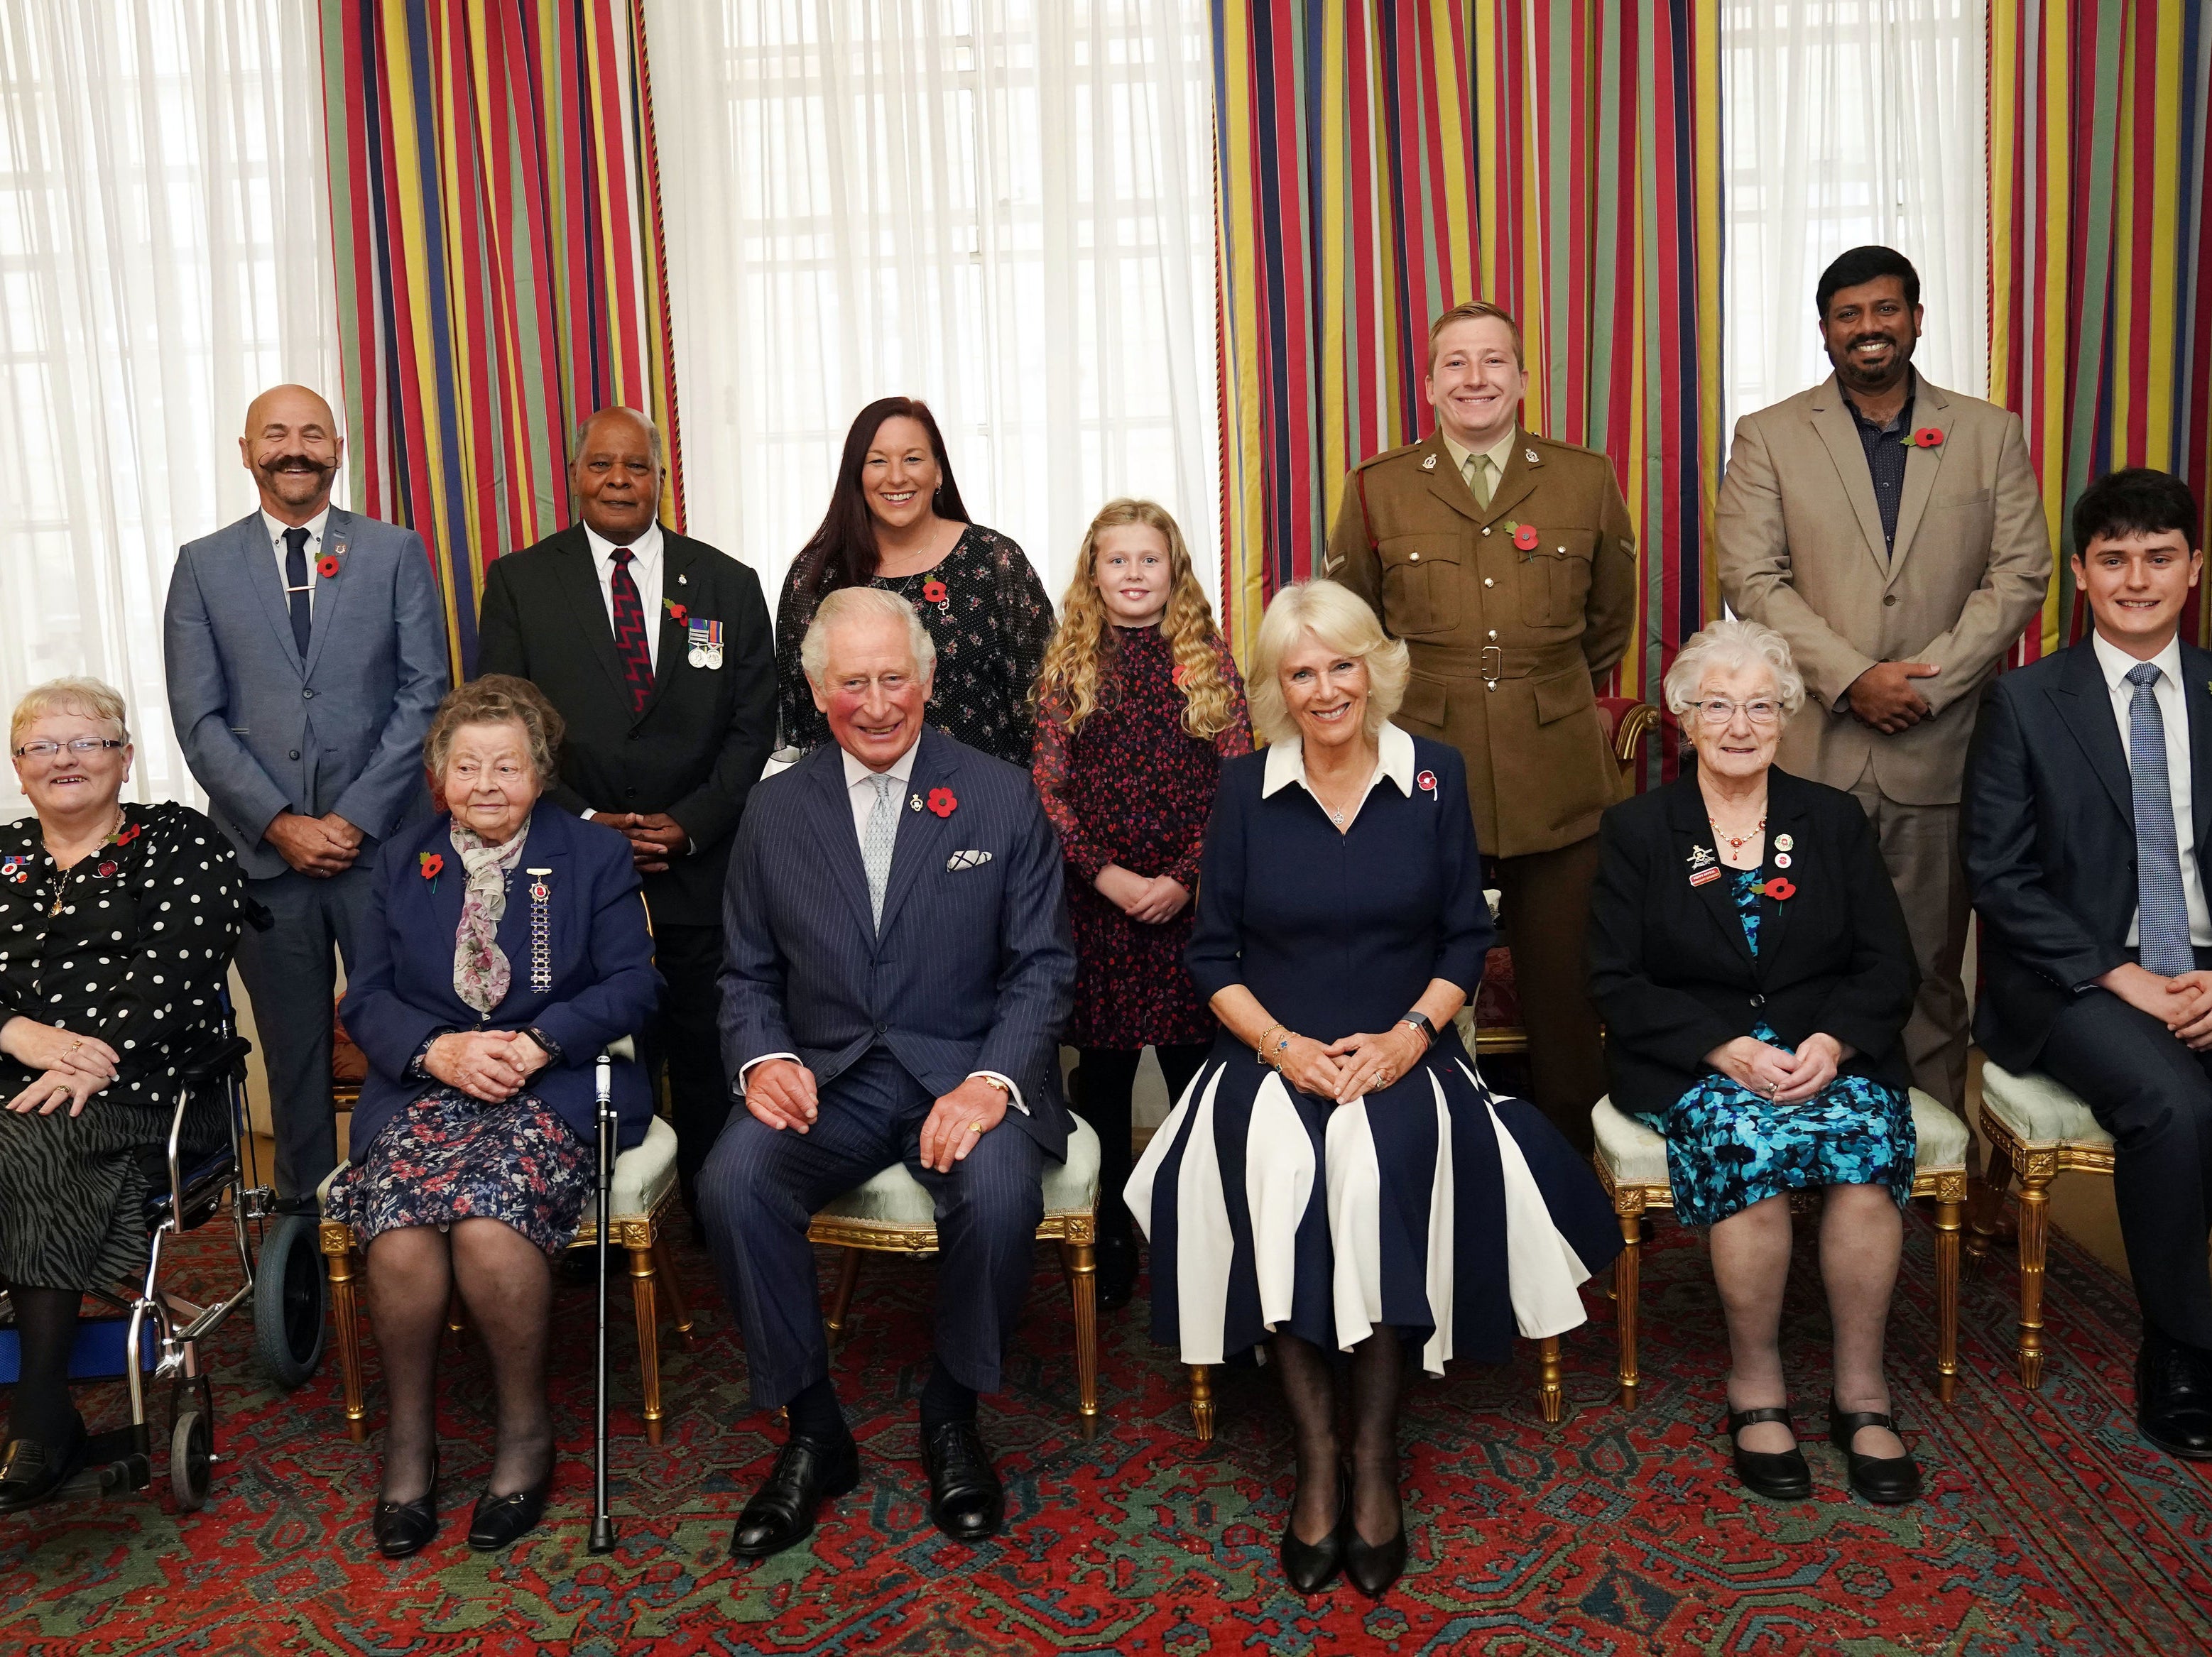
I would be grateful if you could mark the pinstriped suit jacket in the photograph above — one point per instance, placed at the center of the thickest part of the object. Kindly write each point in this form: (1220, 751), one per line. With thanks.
(972, 969)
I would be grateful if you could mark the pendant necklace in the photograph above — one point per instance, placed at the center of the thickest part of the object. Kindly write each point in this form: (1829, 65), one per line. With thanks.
(1736, 842)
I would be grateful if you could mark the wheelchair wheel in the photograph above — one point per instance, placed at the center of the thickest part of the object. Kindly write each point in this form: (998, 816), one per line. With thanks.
(191, 1452)
(290, 1325)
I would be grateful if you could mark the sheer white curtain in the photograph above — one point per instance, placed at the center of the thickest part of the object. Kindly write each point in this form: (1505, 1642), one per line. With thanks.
(1846, 122)
(164, 254)
(1004, 207)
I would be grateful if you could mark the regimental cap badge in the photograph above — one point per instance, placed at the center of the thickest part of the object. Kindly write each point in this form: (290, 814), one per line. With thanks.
(1529, 455)
(1699, 856)
(1429, 463)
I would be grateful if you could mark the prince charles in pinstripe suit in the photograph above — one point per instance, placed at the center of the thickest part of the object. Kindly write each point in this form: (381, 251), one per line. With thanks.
(896, 973)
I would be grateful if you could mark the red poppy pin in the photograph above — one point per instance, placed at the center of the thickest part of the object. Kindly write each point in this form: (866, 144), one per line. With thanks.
(942, 801)
(1525, 538)
(127, 835)
(1779, 888)
(1928, 437)
(1426, 782)
(676, 612)
(934, 592)
(106, 870)
(432, 865)
(327, 567)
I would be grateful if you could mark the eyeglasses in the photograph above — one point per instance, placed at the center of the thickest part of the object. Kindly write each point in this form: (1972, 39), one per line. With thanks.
(77, 745)
(1719, 710)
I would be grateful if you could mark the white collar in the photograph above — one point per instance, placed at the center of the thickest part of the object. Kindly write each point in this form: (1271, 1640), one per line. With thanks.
(642, 551)
(315, 527)
(2118, 663)
(902, 768)
(1393, 758)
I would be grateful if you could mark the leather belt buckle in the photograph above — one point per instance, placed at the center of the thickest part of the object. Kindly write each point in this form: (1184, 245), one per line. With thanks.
(1494, 663)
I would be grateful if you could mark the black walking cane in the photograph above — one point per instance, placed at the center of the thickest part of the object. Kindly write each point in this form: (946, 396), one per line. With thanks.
(603, 1523)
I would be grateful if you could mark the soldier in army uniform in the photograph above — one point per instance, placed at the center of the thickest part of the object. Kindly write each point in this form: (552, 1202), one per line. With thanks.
(1507, 563)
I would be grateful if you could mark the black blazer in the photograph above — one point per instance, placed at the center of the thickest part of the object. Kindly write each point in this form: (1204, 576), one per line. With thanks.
(2048, 837)
(696, 750)
(1670, 971)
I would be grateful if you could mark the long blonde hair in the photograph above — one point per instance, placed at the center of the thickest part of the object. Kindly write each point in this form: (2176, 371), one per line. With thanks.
(1067, 684)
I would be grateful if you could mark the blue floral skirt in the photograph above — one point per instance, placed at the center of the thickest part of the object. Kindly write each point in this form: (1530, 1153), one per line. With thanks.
(449, 1157)
(1727, 1147)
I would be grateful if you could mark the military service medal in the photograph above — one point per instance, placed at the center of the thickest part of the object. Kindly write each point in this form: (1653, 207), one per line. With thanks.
(541, 946)
(706, 641)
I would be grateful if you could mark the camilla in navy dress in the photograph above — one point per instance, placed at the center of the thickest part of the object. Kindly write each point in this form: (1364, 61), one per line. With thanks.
(1432, 1206)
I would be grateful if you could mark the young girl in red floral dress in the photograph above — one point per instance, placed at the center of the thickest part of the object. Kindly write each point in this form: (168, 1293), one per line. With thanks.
(1137, 703)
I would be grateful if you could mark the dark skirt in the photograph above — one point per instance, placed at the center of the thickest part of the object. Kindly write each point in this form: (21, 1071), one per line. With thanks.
(449, 1157)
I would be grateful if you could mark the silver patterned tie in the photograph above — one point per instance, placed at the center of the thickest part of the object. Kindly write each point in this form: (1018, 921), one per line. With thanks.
(2162, 919)
(876, 843)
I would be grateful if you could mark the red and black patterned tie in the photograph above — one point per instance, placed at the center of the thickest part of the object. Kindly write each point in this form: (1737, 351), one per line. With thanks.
(630, 642)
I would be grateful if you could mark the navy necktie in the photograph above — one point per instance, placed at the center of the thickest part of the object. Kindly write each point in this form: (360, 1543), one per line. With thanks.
(2162, 909)
(295, 584)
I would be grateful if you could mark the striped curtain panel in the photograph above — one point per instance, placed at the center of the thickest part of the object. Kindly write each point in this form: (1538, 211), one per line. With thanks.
(498, 263)
(1382, 160)
(2101, 311)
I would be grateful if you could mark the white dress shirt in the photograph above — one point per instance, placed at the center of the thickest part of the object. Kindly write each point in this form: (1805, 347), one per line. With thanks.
(862, 794)
(644, 570)
(314, 528)
(1394, 760)
(2173, 713)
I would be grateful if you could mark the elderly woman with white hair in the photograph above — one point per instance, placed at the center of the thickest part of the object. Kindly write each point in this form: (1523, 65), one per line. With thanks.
(1337, 1178)
(117, 924)
(1752, 965)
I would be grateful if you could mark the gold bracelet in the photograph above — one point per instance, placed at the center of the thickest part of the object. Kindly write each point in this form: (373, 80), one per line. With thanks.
(1259, 1047)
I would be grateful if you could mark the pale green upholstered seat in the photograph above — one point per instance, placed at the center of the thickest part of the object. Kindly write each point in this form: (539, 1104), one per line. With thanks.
(896, 1197)
(1637, 1155)
(2038, 1110)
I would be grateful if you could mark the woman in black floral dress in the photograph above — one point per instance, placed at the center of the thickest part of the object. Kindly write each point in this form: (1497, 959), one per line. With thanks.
(1137, 704)
(896, 522)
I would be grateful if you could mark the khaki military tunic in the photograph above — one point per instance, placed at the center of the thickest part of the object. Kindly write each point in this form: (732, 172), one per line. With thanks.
(1507, 612)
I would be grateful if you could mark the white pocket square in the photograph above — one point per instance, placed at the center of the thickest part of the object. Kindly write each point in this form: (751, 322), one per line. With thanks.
(960, 860)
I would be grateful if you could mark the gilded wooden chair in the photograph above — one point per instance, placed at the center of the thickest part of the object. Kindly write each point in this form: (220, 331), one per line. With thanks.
(1631, 1164)
(2038, 1130)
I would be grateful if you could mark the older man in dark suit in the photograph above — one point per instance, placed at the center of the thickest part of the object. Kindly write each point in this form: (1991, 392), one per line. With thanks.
(656, 650)
(898, 967)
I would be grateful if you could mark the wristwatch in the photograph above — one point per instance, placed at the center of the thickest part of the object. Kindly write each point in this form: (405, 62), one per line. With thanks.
(1420, 1021)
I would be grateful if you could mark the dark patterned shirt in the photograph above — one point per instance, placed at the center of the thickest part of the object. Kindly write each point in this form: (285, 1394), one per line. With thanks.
(1886, 452)
(986, 611)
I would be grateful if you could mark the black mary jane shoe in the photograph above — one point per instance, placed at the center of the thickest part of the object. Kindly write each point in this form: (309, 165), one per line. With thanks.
(966, 1499)
(502, 1520)
(32, 1471)
(807, 1472)
(1890, 1480)
(402, 1528)
(1777, 1475)
(1310, 1567)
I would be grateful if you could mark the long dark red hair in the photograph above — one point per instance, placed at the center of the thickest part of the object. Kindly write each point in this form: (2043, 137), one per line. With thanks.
(843, 552)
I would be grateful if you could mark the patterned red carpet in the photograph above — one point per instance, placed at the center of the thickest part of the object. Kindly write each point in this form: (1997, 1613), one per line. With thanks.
(2050, 1527)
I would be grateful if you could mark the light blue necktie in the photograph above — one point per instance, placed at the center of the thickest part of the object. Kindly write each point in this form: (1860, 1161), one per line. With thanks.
(2163, 920)
(883, 834)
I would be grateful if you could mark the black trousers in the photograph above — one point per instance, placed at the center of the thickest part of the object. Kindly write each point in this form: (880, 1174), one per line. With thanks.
(686, 1036)
(1544, 901)
(1105, 1089)
(2154, 1097)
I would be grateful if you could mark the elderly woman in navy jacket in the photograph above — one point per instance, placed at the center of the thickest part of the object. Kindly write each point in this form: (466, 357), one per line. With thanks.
(504, 946)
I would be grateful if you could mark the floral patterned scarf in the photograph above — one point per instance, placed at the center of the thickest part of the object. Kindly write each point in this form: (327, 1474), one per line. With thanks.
(481, 974)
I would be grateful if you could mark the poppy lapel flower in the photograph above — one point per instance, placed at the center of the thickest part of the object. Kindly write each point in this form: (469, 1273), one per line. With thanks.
(1927, 437)
(1525, 538)
(327, 567)
(1779, 888)
(129, 834)
(1426, 782)
(942, 801)
(676, 612)
(430, 865)
(935, 591)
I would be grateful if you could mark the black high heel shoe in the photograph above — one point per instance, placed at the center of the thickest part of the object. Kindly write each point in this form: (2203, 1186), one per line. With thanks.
(1777, 1475)
(1312, 1566)
(1373, 1566)
(404, 1527)
(502, 1520)
(1891, 1480)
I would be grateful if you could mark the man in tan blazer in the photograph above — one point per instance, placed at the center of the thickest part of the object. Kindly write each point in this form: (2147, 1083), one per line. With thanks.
(1893, 533)
(1507, 563)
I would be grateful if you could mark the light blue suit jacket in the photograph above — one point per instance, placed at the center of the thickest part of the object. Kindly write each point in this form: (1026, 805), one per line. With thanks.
(265, 732)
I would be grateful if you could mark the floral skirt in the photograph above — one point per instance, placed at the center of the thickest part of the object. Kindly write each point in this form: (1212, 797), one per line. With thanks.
(450, 1157)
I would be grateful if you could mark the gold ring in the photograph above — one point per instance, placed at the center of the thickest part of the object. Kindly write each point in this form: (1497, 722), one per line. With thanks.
(975, 1127)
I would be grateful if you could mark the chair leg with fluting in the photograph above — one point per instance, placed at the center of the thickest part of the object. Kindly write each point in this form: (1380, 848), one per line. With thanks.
(1986, 1199)
(848, 1274)
(1627, 1289)
(1947, 1299)
(679, 1312)
(649, 1337)
(1551, 1395)
(1201, 1402)
(2034, 1240)
(1080, 1258)
(345, 1312)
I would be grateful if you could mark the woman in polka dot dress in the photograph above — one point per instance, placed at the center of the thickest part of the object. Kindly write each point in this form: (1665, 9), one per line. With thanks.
(116, 925)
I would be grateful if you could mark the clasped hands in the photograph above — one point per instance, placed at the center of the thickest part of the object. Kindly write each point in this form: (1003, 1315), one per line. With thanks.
(2183, 1003)
(1352, 1065)
(317, 847)
(783, 1095)
(487, 1064)
(1153, 900)
(1787, 1078)
(72, 1067)
(654, 837)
